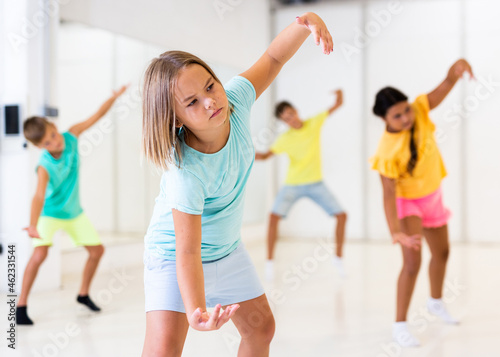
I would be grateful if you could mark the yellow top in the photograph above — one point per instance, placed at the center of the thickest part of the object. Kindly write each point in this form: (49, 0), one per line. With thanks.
(303, 147)
(393, 154)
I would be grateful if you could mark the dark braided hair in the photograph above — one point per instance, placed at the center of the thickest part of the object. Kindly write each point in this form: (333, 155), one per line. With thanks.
(414, 152)
(385, 99)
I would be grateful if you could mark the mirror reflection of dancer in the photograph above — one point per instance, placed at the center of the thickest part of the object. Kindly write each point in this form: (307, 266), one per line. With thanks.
(411, 170)
(304, 179)
(56, 203)
(199, 132)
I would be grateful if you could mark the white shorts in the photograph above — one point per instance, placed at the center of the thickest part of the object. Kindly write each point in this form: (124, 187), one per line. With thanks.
(229, 280)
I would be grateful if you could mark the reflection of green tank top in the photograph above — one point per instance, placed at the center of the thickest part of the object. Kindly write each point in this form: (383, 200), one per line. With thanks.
(62, 199)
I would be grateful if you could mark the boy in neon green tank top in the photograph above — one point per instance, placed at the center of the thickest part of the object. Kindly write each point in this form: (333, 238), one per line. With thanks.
(56, 203)
(304, 178)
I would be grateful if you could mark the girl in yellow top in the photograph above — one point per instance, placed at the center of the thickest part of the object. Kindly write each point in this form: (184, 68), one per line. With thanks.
(411, 170)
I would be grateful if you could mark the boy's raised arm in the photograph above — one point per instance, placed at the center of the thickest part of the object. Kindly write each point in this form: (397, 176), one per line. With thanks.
(263, 156)
(338, 102)
(79, 128)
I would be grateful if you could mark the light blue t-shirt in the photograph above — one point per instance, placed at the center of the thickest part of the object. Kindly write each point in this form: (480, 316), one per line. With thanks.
(210, 185)
(62, 198)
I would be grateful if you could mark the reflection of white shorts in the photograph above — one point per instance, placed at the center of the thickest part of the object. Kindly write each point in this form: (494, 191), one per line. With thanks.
(229, 280)
(318, 192)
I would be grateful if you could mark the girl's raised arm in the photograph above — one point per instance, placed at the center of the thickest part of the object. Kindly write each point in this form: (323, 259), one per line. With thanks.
(456, 71)
(284, 46)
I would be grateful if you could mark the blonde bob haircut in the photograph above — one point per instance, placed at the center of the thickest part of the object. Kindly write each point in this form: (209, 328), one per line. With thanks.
(160, 125)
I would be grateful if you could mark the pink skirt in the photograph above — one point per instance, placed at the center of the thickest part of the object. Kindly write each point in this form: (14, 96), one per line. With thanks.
(429, 208)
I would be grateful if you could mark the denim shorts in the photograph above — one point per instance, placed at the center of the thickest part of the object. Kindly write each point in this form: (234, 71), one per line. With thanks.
(318, 192)
(229, 280)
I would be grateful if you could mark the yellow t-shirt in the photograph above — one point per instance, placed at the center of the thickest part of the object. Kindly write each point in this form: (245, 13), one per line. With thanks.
(393, 154)
(303, 147)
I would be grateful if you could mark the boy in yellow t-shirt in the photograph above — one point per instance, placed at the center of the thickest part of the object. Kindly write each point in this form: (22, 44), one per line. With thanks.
(304, 179)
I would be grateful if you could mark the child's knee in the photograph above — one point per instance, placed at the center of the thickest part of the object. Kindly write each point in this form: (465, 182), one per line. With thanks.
(442, 256)
(274, 218)
(265, 333)
(259, 328)
(96, 252)
(411, 267)
(39, 254)
(268, 330)
(342, 217)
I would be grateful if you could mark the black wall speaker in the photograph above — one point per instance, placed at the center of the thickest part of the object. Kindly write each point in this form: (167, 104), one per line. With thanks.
(12, 120)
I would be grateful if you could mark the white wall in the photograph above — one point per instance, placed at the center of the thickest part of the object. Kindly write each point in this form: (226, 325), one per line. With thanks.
(112, 180)
(307, 81)
(411, 49)
(230, 32)
(24, 68)
(482, 127)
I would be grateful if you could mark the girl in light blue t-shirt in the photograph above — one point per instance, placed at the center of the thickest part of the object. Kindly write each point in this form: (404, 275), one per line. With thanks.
(198, 131)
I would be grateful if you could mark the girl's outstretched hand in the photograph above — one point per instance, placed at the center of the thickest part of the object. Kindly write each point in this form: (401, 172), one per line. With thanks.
(413, 242)
(459, 68)
(318, 28)
(204, 321)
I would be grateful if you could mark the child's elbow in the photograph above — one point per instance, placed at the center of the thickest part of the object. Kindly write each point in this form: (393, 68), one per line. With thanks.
(39, 198)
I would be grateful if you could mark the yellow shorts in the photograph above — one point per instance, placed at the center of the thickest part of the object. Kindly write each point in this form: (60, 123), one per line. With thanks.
(80, 229)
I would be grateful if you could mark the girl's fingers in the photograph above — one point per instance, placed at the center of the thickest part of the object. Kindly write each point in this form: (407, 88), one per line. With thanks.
(416, 242)
(212, 321)
(324, 41)
(227, 314)
(469, 69)
(329, 41)
(317, 37)
(223, 318)
(299, 20)
(326, 46)
(233, 310)
(197, 315)
(327, 37)
(320, 33)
